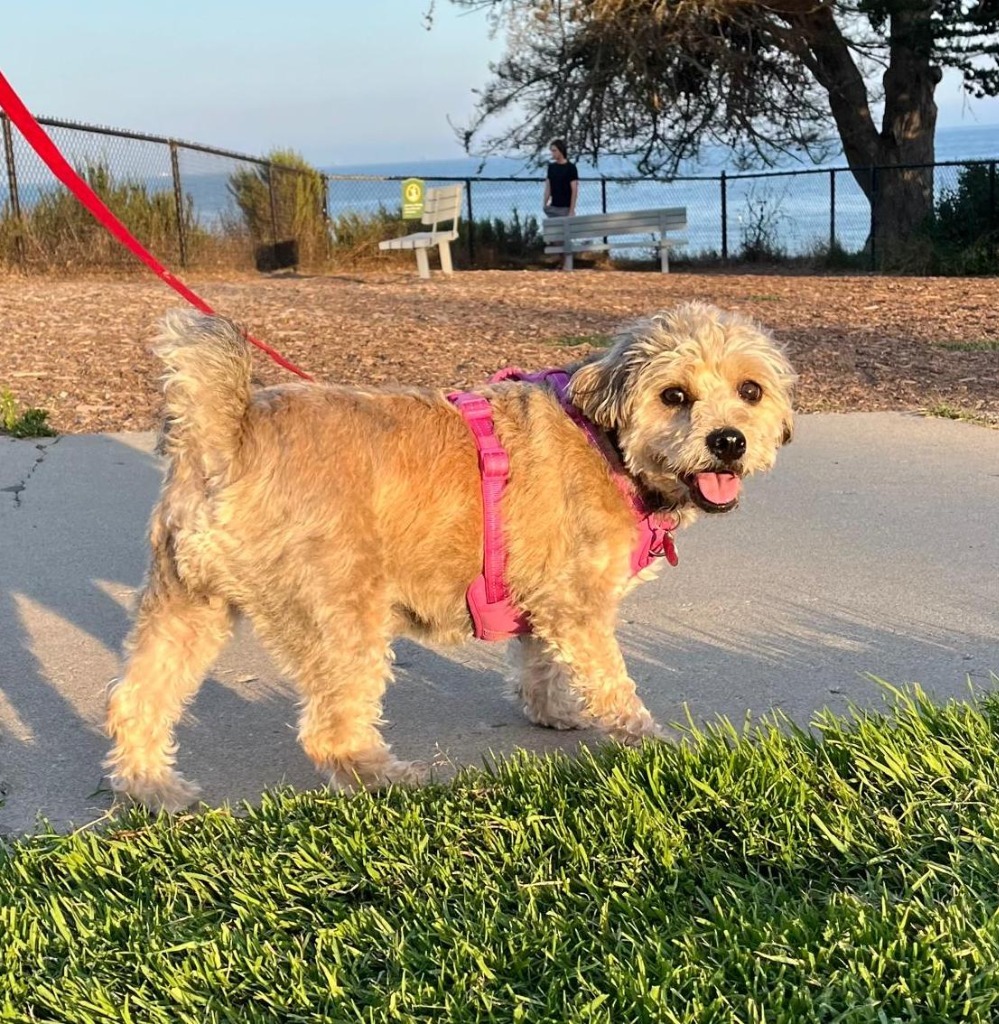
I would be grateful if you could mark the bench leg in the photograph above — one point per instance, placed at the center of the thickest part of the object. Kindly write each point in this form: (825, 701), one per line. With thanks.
(445, 249)
(422, 263)
(664, 258)
(567, 261)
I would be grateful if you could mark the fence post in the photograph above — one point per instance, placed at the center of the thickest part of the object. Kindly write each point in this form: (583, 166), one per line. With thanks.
(992, 209)
(724, 219)
(832, 211)
(15, 199)
(178, 199)
(471, 223)
(603, 199)
(325, 198)
(270, 188)
(874, 217)
(327, 235)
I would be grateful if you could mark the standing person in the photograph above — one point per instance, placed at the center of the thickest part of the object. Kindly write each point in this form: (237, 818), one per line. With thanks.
(562, 182)
(561, 186)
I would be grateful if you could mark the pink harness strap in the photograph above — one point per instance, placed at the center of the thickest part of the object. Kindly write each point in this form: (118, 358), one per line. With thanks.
(494, 615)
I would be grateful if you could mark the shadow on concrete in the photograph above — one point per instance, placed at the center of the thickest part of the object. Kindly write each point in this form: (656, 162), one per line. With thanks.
(755, 618)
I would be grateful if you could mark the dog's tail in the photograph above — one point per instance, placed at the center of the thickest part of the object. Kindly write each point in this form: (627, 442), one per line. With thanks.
(206, 387)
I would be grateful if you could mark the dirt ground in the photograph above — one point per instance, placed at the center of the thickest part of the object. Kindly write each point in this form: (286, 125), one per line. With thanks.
(78, 348)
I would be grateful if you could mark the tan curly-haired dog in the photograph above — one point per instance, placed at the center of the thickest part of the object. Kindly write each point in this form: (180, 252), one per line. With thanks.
(287, 504)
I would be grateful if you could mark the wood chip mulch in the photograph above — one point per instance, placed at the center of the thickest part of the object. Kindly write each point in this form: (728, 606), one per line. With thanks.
(78, 347)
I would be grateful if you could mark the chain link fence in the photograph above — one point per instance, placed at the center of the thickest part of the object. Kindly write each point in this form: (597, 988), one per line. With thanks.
(199, 207)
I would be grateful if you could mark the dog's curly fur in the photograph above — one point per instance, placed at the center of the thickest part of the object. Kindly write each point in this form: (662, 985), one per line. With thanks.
(339, 518)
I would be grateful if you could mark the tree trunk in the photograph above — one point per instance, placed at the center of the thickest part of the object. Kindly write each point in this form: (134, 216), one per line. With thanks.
(901, 205)
(900, 191)
(902, 201)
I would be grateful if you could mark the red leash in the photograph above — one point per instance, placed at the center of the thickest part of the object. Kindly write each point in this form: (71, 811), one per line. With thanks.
(58, 165)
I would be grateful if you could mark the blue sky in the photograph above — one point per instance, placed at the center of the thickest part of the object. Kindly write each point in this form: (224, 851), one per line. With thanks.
(341, 81)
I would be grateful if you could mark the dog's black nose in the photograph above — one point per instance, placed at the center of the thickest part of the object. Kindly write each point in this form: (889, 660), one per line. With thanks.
(727, 443)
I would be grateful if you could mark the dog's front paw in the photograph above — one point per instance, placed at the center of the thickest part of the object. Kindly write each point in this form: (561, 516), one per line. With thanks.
(169, 792)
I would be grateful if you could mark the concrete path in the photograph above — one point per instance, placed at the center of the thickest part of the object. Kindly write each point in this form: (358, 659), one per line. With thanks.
(872, 548)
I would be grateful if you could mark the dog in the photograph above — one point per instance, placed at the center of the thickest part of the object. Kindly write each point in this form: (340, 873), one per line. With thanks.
(338, 519)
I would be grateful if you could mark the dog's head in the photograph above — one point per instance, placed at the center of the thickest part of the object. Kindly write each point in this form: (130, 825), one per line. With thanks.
(698, 398)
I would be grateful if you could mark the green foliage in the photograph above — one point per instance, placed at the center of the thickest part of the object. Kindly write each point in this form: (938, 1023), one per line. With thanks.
(579, 340)
(498, 242)
(759, 231)
(284, 200)
(355, 236)
(835, 257)
(979, 345)
(945, 411)
(964, 230)
(22, 423)
(58, 231)
(513, 242)
(847, 873)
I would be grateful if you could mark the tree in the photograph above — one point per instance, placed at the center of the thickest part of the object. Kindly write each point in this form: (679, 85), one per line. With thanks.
(660, 79)
(283, 200)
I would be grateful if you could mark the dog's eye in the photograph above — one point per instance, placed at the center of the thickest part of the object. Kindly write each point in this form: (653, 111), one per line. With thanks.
(675, 396)
(750, 391)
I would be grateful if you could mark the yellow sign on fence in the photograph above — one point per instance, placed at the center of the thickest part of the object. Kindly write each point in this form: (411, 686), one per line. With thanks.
(413, 192)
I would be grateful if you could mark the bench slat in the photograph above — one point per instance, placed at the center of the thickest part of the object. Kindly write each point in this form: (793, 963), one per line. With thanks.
(598, 246)
(649, 229)
(610, 222)
(599, 224)
(419, 239)
(623, 216)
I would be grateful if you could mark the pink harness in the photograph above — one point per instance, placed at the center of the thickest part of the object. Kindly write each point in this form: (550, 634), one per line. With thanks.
(494, 616)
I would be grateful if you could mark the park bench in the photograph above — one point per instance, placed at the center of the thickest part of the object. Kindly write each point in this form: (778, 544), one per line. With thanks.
(441, 206)
(593, 232)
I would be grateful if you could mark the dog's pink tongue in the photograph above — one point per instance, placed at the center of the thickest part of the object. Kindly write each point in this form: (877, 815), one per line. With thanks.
(719, 488)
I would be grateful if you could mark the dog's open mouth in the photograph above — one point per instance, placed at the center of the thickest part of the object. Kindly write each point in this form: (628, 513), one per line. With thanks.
(714, 492)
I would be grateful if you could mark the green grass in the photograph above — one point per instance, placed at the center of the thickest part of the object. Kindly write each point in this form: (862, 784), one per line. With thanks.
(849, 873)
(982, 345)
(57, 232)
(946, 411)
(281, 200)
(575, 340)
(19, 422)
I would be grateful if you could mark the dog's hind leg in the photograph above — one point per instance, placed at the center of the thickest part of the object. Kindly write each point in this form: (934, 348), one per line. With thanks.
(176, 638)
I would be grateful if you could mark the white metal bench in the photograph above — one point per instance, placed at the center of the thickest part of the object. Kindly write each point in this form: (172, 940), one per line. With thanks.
(441, 205)
(594, 232)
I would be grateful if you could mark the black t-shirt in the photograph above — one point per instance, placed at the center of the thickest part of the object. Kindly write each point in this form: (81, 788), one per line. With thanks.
(560, 178)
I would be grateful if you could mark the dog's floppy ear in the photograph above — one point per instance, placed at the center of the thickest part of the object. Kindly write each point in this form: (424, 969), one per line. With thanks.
(598, 390)
(788, 436)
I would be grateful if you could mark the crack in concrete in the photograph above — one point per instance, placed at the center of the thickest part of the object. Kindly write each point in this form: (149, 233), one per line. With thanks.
(16, 489)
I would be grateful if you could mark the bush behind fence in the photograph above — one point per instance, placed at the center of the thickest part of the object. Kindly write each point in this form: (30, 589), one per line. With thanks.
(204, 208)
